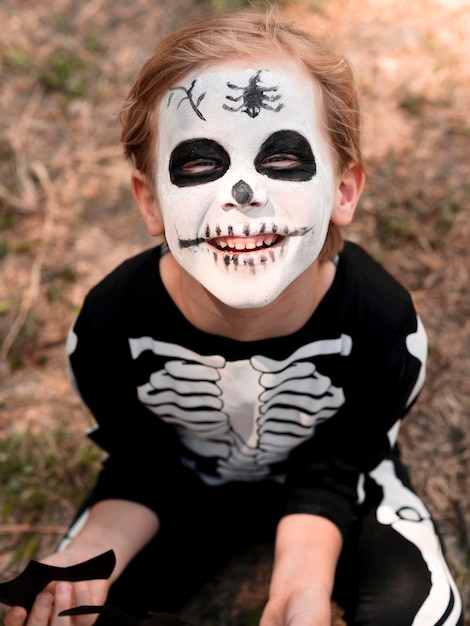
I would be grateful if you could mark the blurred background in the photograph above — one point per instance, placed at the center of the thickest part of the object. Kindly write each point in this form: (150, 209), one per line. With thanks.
(67, 217)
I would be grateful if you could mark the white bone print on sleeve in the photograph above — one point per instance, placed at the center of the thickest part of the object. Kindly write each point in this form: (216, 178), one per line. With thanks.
(247, 414)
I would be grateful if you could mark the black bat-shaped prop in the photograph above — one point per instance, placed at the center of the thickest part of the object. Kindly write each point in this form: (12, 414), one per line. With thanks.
(22, 590)
(118, 617)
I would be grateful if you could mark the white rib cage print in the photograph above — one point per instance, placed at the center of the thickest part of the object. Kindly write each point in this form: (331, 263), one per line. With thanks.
(247, 414)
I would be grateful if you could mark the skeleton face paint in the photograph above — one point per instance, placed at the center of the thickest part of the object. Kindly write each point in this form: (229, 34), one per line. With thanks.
(245, 178)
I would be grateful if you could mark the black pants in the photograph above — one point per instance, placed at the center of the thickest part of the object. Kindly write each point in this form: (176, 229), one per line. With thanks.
(391, 572)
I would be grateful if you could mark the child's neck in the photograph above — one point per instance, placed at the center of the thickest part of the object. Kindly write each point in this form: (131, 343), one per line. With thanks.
(287, 314)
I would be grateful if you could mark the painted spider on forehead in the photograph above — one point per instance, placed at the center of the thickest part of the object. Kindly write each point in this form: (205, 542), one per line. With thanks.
(254, 97)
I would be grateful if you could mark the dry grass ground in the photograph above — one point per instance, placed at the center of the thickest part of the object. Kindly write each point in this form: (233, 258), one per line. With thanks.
(67, 217)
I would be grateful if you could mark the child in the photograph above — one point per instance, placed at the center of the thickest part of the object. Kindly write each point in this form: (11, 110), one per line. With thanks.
(249, 376)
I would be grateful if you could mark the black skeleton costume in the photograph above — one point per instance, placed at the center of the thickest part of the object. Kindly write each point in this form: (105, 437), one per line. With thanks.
(221, 438)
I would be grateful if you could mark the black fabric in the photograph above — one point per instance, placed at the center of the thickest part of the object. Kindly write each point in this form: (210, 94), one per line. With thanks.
(222, 438)
(382, 578)
(365, 305)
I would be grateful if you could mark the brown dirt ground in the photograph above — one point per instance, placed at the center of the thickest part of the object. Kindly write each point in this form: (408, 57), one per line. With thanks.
(67, 215)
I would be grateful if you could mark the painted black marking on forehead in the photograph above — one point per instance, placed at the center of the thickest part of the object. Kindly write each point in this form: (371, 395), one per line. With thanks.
(254, 97)
(197, 161)
(289, 146)
(189, 97)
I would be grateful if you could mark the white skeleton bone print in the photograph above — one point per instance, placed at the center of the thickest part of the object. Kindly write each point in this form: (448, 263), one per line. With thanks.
(248, 414)
(406, 514)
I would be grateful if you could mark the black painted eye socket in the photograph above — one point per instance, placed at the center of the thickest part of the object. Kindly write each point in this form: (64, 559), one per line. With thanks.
(197, 161)
(286, 155)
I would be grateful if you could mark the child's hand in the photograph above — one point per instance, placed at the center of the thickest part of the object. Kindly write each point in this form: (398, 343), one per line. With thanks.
(57, 597)
(300, 607)
(44, 610)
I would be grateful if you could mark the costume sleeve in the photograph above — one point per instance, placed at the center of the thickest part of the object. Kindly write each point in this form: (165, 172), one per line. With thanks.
(382, 380)
(140, 450)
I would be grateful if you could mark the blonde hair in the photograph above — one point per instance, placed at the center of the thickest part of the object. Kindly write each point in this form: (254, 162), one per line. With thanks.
(222, 37)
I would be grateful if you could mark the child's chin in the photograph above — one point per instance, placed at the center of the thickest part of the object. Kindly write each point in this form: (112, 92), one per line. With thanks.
(237, 297)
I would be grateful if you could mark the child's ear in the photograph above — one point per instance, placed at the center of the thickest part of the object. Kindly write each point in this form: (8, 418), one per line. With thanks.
(350, 186)
(147, 203)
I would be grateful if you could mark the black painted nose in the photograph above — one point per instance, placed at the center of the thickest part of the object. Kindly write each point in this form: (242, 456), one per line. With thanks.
(242, 193)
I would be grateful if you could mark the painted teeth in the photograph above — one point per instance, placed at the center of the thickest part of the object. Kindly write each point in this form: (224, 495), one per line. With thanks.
(248, 244)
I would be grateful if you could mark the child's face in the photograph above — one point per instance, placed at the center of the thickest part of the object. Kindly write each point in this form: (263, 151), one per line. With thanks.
(245, 177)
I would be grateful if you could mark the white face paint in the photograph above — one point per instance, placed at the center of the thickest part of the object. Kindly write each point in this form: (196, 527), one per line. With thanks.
(245, 178)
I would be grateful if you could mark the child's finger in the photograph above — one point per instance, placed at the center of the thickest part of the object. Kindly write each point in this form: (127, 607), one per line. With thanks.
(16, 616)
(41, 611)
(68, 596)
(63, 599)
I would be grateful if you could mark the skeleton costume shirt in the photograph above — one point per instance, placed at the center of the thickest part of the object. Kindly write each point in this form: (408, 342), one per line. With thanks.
(312, 409)
(318, 410)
